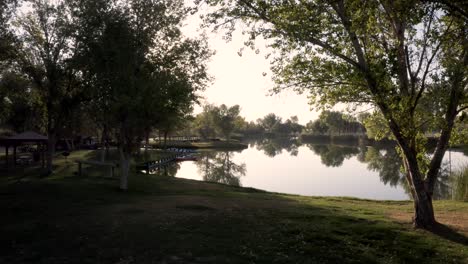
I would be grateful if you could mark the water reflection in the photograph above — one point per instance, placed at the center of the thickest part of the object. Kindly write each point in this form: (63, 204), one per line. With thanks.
(322, 169)
(333, 155)
(275, 145)
(219, 167)
(381, 158)
(386, 162)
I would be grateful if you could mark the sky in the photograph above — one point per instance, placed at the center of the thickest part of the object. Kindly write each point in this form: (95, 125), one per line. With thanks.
(240, 80)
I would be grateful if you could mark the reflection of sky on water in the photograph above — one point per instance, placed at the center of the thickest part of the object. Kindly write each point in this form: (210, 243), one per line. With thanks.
(305, 174)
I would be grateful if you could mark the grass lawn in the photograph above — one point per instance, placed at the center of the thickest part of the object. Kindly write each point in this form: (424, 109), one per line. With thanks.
(70, 219)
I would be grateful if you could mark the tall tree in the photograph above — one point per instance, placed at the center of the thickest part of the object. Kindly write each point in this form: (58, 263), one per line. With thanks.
(384, 53)
(43, 52)
(140, 68)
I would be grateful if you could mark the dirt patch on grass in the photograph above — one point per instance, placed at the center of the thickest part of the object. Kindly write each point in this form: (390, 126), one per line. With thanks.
(456, 220)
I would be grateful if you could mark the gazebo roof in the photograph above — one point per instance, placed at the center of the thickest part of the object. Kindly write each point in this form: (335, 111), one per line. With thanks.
(28, 136)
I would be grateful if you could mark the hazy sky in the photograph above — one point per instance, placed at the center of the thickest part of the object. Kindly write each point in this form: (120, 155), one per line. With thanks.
(240, 80)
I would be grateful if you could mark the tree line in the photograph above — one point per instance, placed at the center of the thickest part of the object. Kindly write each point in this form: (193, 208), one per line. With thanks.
(69, 67)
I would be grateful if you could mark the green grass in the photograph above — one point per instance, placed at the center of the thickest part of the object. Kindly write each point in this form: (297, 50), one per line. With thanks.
(70, 219)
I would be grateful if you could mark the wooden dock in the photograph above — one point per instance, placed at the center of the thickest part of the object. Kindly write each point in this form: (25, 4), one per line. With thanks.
(157, 164)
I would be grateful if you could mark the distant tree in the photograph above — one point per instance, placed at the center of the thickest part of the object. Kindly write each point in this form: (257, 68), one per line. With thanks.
(218, 120)
(204, 122)
(253, 128)
(292, 125)
(270, 122)
(225, 119)
(317, 127)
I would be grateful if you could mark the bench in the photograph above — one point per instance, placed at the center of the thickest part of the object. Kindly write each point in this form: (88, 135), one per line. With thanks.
(111, 166)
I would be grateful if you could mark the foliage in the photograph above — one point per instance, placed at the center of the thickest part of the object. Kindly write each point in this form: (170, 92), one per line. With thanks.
(460, 184)
(218, 120)
(140, 67)
(334, 123)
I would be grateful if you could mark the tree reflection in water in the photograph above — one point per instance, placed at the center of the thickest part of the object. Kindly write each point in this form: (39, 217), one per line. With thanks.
(381, 158)
(275, 145)
(333, 155)
(219, 167)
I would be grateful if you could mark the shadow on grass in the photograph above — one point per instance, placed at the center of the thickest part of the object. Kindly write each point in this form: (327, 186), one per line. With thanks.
(448, 233)
(89, 221)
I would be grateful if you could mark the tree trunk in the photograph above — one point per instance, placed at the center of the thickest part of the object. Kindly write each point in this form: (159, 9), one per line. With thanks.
(103, 154)
(424, 212)
(147, 140)
(165, 139)
(104, 143)
(124, 168)
(67, 142)
(50, 152)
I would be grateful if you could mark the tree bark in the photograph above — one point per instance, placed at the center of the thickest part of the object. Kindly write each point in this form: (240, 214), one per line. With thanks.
(147, 140)
(165, 139)
(124, 168)
(50, 152)
(424, 211)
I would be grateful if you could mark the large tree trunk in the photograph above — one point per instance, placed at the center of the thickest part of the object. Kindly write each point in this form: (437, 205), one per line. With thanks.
(147, 140)
(124, 168)
(50, 152)
(165, 139)
(424, 212)
(422, 197)
(105, 143)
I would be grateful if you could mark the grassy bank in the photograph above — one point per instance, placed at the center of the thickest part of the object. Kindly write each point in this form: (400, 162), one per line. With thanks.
(67, 219)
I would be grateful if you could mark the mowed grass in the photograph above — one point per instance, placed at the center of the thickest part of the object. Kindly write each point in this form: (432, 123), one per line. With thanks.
(70, 219)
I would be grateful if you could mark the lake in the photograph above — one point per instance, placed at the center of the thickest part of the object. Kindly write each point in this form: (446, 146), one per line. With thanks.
(287, 166)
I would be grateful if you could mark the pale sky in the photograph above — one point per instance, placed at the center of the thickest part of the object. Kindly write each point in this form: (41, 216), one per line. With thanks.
(239, 79)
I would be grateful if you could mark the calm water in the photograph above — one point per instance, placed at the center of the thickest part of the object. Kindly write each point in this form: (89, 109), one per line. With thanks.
(312, 169)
